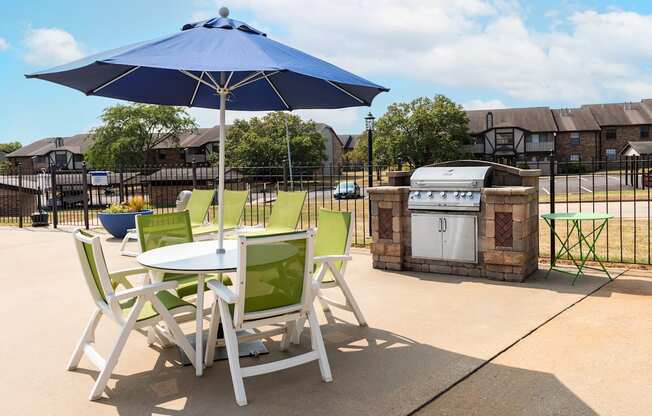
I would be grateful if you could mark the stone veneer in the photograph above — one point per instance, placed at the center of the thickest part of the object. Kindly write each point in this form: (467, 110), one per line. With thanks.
(512, 211)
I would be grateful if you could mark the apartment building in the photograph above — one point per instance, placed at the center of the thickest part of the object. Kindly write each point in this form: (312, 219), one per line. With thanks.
(590, 132)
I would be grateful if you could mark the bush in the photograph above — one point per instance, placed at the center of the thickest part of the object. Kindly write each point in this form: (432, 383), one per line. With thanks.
(137, 204)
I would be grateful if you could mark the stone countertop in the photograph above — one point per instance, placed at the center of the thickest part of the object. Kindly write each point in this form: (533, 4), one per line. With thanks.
(510, 190)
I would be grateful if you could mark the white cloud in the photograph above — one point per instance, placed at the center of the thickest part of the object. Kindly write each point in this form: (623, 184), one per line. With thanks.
(475, 44)
(483, 105)
(4, 44)
(51, 46)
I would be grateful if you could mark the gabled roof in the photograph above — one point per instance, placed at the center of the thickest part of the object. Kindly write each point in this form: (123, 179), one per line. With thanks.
(349, 141)
(534, 119)
(622, 114)
(78, 144)
(575, 119)
(637, 148)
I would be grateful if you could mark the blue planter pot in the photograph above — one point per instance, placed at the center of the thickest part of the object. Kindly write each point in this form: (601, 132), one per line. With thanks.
(118, 224)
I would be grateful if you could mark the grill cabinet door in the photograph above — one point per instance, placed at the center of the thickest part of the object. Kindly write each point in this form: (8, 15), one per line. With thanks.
(460, 238)
(426, 236)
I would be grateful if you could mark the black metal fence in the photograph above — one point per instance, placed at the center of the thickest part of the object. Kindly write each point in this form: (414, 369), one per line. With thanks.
(74, 198)
(617, 186)
(71, 198)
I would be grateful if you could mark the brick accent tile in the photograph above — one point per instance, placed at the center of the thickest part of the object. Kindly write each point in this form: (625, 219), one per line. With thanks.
(385, 229)
(503, 229)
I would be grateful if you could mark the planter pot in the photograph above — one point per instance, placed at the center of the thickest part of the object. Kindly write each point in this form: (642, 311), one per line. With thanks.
(118, 224)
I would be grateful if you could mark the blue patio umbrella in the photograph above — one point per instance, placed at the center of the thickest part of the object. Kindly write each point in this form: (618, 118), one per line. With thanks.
(218, 63)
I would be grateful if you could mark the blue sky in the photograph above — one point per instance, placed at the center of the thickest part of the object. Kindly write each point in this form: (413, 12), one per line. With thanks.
(481, 53)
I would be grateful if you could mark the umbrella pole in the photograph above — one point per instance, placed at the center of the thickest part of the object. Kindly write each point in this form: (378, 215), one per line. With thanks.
(220, 189)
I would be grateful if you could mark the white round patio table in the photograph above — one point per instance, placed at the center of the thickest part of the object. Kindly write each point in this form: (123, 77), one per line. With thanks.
(198, 258)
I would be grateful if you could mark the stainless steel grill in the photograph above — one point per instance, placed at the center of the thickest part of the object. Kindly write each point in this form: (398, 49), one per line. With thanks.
(445, 188)
(445, 202)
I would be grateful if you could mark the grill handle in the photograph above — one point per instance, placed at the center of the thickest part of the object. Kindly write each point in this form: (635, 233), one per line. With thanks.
(440, 225)
(445, 224)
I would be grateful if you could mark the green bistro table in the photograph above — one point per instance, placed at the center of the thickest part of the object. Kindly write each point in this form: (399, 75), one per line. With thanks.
(588, 239)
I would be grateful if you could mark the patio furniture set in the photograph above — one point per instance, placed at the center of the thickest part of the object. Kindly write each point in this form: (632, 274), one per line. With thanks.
(264, 282)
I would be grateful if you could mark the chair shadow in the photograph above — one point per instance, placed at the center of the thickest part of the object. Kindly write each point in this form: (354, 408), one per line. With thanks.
(375, 372)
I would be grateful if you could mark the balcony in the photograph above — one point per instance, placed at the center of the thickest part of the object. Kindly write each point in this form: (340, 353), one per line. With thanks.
(540, 147)
(473, 148)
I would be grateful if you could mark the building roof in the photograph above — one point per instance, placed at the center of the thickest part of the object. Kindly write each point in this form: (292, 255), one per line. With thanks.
(78, 143)
(575, 119)
(534, 119)
(637, 148)
(349, 141)
(184, 174)
(622, 114)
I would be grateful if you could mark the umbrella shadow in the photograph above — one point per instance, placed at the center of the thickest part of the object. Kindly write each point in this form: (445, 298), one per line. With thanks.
(375, 371)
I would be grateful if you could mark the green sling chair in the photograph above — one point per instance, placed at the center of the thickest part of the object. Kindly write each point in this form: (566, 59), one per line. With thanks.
(332, 247)
(133, 308)
(285, 216)
(274, 286)
(198, 204)
(234, 204)
(161, 230)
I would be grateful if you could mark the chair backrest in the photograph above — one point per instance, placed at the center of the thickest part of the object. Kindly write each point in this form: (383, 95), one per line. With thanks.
(96, 274)
(274, 275)
(286, 211)
(200, 201)
(333, 235)
(234, 204)
(160, 230)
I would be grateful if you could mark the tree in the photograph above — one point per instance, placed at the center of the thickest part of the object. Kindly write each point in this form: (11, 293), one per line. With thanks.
(10, 146)
(262, 142)
(130, 133)
(420, 132)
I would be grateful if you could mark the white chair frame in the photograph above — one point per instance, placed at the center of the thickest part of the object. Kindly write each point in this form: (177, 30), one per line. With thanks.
(328, 263)
(110, 308)
(287, 315)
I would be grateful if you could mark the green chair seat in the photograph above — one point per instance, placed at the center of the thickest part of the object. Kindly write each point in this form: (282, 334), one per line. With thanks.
(234, 204)
(188, 282)
(332, 237)
(198, 204)
(168, 300)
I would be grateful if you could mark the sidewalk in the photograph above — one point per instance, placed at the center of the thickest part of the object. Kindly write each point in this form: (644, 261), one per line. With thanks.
(593, 359)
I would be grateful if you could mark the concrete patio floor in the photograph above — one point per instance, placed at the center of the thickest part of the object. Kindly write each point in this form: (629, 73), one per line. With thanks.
(426, 333)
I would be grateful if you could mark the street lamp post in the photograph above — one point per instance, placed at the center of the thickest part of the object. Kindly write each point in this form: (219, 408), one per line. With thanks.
(369, 123)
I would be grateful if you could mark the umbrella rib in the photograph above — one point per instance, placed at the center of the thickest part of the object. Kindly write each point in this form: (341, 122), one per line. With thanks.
(360, 100)
(250, 80)
(217, 86)
(276, 91)
(226, 84)
(246, 80)
(196, 78)
(106, 84)
(194, 94)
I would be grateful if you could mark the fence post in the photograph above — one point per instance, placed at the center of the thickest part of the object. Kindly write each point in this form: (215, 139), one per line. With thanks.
(85, 193)
(122, 185)
(194, 173)
(553, 248)
(55, 199)
(20, 195)
(285, 177)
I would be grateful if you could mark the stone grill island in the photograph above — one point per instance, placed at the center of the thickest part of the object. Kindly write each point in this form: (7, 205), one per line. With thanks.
(504, 232)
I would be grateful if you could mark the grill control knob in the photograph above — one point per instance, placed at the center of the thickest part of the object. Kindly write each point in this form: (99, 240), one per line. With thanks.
(442, 194)
(457, 194)
(429, 194)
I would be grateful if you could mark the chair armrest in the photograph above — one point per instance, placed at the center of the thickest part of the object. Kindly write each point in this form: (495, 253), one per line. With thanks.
(222, 291)
(333, 258)
(143, 290)
(127, 272)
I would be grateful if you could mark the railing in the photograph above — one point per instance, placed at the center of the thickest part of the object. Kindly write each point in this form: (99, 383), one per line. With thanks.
(70, 198)
(540, 147)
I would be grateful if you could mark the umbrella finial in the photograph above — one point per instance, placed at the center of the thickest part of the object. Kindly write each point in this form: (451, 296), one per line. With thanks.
(224, 12)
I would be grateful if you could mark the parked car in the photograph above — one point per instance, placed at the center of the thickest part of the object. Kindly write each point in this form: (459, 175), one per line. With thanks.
(346, 190)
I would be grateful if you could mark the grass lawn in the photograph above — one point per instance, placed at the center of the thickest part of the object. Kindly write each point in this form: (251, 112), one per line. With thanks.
(600, 196)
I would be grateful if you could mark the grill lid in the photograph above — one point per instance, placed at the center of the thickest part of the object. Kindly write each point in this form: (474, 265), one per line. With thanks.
(450, 177)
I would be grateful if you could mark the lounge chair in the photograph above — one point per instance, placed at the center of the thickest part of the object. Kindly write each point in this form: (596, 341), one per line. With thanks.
(234, 204)
(134, 308)
(273, 285)
(285, 216)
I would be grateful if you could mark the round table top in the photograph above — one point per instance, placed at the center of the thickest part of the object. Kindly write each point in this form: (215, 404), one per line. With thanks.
(191, 258)
(577, 216)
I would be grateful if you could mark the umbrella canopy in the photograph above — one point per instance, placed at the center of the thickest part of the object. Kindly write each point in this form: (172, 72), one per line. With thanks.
(217, 63)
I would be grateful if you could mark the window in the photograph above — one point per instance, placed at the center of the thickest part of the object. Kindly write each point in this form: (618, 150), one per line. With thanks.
(61, 159)
(479, 140)
(504, 138)
(533, 138)
(611, 153)
(162, 156)
(611, 133)
(574, 157)
(645, 132)
(574, 139)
